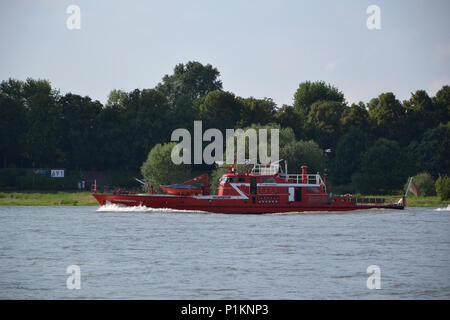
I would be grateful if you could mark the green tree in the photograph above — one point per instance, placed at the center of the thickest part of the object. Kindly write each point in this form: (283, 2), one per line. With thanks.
(192, 81)
(151, 118)
(383, 168)
(188, 82)
(79, 128)
(159, 169)
(347, 155)
(260, 111)
(310, 92)
(117, 98)
(387, 116)
(288, 117)
(442, 103)
(143, 116)
(147, 115)
(356, 116)
(443, 187)
(12, 122)
(421, 113)
(323, 122)
(114, 147)
(433, 151)
(43, 121)
(218, 109)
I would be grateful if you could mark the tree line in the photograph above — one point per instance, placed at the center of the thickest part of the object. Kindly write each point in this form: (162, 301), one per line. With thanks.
(374, 146)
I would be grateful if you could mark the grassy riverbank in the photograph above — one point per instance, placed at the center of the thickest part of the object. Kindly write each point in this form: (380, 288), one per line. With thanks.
(434, 201)
(47, 199)
(86, 199)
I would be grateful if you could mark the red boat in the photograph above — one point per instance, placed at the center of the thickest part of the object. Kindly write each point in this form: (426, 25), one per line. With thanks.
(181, 189)
(187, 188)
(264, 189)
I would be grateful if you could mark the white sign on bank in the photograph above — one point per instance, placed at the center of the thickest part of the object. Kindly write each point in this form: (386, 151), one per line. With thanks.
(57, 173)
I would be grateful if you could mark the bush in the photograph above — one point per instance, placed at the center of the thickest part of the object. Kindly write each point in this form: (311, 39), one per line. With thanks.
(300, 153)
(443, 187)
(159, 169)
(425, 183)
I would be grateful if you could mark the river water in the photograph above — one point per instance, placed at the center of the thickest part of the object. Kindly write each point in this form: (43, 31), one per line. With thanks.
(139, 253)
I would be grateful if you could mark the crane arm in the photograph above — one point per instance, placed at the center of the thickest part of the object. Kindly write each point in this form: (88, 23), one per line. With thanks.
(205, 182)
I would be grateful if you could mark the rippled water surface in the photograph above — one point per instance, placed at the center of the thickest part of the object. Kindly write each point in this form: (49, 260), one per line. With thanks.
(145, 254)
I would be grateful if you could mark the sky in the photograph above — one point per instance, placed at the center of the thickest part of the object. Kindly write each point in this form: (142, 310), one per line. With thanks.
(261, 48)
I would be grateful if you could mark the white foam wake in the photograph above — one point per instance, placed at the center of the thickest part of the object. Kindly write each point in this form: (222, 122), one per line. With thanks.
(112, 207)
(443, 209)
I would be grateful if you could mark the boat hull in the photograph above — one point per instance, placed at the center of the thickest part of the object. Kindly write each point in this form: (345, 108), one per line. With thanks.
(223, 204)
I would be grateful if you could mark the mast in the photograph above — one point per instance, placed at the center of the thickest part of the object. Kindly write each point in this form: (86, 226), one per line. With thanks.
(285, 169)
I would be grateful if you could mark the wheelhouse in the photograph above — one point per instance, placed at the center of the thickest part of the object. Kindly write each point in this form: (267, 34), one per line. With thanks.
(273, 184)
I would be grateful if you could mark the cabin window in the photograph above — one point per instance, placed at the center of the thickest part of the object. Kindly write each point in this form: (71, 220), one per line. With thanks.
(241, 179)
(253, 186)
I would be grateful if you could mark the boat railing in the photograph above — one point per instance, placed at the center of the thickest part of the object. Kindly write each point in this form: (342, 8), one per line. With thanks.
(275, 168)
(377, 200)
(305, 179)
(266, 169)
